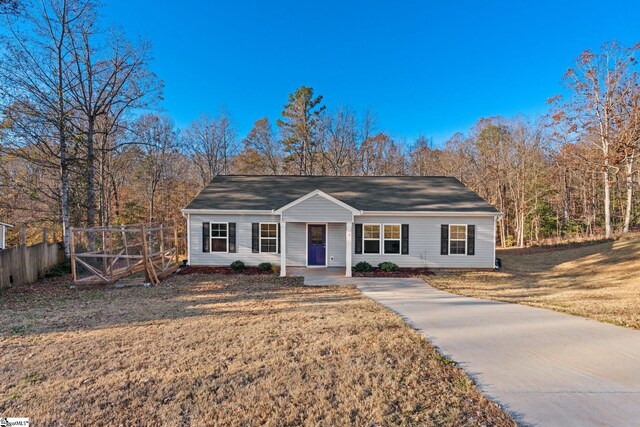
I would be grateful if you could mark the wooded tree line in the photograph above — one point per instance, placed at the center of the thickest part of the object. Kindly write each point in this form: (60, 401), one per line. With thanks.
(83, 141)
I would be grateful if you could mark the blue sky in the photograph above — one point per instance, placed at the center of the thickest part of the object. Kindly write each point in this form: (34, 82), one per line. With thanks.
(423, 67)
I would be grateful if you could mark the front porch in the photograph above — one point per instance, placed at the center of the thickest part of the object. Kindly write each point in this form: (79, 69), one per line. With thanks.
(320, 228)
(321, 276)
(324, 247)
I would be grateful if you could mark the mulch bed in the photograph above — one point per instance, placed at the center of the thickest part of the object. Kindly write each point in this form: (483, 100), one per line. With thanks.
(401, 272)
(248, 271)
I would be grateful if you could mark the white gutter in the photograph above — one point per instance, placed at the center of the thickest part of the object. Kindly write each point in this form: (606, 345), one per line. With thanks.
(226, 212)
(430, 213)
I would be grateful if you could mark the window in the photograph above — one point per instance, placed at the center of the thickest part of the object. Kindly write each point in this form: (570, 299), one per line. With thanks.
(457, 239)
(371, 238)
(391, 238)
(219, 237)
(317, 235)
(269, 237)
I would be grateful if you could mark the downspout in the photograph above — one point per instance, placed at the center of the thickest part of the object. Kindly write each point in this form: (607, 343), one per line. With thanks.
(188, 216)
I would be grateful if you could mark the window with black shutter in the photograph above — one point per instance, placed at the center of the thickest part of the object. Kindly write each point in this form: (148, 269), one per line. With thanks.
(457, 239)
(219, 236)
(269, 237)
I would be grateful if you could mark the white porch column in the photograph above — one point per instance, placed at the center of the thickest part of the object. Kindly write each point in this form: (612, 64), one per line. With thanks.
(283, 248)
(349, 248)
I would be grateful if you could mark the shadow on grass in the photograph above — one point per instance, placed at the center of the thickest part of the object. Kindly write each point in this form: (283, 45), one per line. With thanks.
(32, 313)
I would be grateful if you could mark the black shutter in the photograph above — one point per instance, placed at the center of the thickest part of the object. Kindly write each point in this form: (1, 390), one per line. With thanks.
(278, 237)
(206, 237)
(255, 237)
(358, 238)
(404, 244)
(232, 237)
(471, 239)
(444, 239)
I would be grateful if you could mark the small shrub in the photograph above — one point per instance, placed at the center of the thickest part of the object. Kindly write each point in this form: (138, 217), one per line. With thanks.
(59, 270)
(275, 269)
(363, 267)
(264, 267)
(387, 266)
(237, 266)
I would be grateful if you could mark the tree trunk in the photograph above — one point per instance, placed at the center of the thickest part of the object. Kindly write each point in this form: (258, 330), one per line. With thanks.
(64, 192)
(64, 166)
(607, 200)
(91, 175)
(629, 182)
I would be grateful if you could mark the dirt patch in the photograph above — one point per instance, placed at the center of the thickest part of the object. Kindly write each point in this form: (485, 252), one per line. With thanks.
(225, 350)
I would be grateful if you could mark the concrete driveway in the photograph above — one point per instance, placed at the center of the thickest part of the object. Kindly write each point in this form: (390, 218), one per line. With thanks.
(546, 368)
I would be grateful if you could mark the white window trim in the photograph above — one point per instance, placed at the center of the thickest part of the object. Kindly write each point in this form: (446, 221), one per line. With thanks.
(211, 251)
(260, 237)
(399, 239)
(466, 236)
(379, 239)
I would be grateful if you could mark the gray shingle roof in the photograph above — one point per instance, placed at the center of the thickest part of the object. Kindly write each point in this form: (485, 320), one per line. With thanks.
(368, 193)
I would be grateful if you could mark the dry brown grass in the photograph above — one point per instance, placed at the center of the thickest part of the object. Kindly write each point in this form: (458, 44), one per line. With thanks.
(600, 281)
(204, 350)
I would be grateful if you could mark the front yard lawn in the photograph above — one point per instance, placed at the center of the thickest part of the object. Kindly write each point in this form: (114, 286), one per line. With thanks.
(223, 350)
(599, 281)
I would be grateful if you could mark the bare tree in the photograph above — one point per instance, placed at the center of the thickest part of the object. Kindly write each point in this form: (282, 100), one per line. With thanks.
(211, 144)
(157, 147)
(35, 90)
(110, 79)
(599, 84)
(340, 149)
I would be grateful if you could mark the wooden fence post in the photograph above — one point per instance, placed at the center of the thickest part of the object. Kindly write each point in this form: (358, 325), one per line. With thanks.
(175, 243)
(44, 234)
(162, 245)
(24, 235)
(72, 248)
(126, 245)
(145, 260)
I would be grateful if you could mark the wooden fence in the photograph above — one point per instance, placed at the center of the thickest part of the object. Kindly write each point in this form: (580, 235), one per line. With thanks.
(109, 254)
(24, 264)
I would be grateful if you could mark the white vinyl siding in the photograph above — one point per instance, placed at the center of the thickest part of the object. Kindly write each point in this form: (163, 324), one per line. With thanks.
(317, 209)
(337, 249)
(243, 240)
(424, 242)
(296, 244)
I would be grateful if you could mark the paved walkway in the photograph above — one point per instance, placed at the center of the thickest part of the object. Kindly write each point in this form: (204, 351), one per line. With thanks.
(546, 368)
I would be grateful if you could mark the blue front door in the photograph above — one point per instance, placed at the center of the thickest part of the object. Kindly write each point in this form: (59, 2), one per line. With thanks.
(317, 241)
